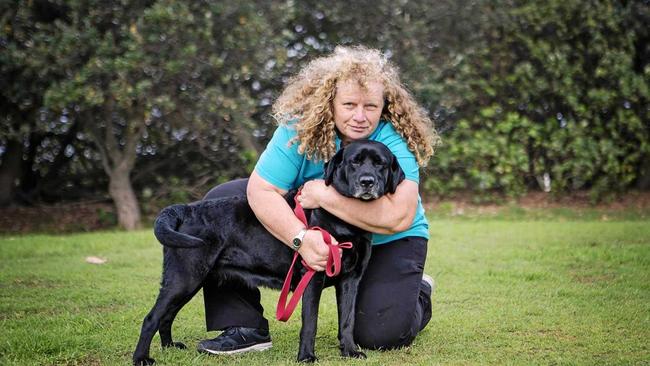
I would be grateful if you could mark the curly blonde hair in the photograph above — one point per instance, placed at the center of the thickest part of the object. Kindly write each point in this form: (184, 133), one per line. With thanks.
(308, 99)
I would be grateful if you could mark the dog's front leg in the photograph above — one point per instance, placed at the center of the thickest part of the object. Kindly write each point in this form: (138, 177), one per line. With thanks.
(310, 302)
(346, 297)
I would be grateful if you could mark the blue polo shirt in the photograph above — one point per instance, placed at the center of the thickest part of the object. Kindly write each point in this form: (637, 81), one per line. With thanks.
(284, 167)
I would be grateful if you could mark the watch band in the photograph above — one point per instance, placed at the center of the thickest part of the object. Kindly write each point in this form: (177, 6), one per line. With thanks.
(297, 240)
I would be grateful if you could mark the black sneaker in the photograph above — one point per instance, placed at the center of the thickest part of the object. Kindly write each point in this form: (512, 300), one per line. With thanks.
(237, 340)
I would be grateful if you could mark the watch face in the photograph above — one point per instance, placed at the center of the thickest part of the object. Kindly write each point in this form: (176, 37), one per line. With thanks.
(296, 242)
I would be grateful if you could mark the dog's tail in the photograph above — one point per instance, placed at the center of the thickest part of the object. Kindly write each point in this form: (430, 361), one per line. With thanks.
(166, 228)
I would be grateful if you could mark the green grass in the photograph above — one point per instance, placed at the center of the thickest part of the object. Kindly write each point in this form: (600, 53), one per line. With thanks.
(548, 290)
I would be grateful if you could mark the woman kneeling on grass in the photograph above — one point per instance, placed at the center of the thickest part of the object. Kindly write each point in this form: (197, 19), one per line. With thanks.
(354, 93)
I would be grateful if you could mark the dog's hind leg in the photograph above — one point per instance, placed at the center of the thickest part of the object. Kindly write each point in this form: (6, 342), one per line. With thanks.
(171, 298)
(166, 322)
(310, 302)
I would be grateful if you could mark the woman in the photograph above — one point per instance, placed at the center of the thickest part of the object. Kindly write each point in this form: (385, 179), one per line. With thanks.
(352, 94)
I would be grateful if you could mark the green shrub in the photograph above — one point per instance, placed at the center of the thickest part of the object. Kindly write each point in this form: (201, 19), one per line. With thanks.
(554, 98)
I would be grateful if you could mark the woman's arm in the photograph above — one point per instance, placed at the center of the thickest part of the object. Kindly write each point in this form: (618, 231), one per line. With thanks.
(389, 214)
(272, 210)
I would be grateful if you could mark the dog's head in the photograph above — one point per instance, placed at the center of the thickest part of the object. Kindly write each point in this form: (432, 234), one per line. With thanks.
(364, 169)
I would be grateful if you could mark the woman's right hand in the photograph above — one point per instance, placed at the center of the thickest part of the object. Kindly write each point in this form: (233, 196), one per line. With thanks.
(314, 251)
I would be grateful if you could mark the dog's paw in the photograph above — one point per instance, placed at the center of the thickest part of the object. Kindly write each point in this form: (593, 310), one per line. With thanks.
(311, 358)
(353, 354)
(178, 345)
(143, 361)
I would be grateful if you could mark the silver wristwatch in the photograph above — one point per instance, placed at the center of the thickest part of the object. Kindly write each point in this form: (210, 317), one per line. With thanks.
(297, 240)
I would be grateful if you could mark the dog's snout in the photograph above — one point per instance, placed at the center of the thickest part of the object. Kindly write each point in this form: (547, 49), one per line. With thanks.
(367, 181)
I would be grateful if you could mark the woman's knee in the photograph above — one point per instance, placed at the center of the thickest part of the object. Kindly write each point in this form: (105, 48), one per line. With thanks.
(377, 334)
(385, 341)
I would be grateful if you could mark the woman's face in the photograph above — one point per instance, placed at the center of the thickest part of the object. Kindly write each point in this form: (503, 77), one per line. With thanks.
(357, 110)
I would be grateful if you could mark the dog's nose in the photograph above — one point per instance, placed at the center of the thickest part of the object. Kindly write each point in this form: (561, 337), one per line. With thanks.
(367, 181)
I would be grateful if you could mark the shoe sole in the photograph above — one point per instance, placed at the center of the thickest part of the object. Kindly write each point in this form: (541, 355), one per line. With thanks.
(256, 347)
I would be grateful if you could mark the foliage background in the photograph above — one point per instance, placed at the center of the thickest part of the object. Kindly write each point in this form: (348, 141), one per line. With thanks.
(163, 99)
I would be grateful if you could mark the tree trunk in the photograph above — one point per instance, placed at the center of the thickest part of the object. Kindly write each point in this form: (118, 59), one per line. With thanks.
(126, 203)
(10, 170)
(118, 162)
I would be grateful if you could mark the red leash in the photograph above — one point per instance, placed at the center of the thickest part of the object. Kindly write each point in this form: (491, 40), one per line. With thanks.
(333, 267)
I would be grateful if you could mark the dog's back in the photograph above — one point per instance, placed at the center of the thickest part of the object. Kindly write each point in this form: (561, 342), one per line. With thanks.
(249, 255)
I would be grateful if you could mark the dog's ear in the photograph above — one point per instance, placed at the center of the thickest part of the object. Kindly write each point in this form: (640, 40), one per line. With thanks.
(395, 175)
(330, 166)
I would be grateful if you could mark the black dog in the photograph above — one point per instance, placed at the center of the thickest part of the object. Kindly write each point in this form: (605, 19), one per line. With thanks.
(221, 240)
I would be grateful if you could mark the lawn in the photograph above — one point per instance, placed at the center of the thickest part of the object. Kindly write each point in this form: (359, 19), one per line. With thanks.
(511, 290)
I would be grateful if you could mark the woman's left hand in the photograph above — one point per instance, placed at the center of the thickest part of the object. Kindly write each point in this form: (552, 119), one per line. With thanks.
(312, 192)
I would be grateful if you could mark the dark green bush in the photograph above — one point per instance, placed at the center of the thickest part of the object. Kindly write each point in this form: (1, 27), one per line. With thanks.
(555, 97)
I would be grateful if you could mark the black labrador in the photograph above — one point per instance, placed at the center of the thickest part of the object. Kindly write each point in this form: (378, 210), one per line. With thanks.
(221, 240)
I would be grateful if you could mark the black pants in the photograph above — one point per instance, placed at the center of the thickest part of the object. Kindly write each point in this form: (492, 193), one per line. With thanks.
(392, 304)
